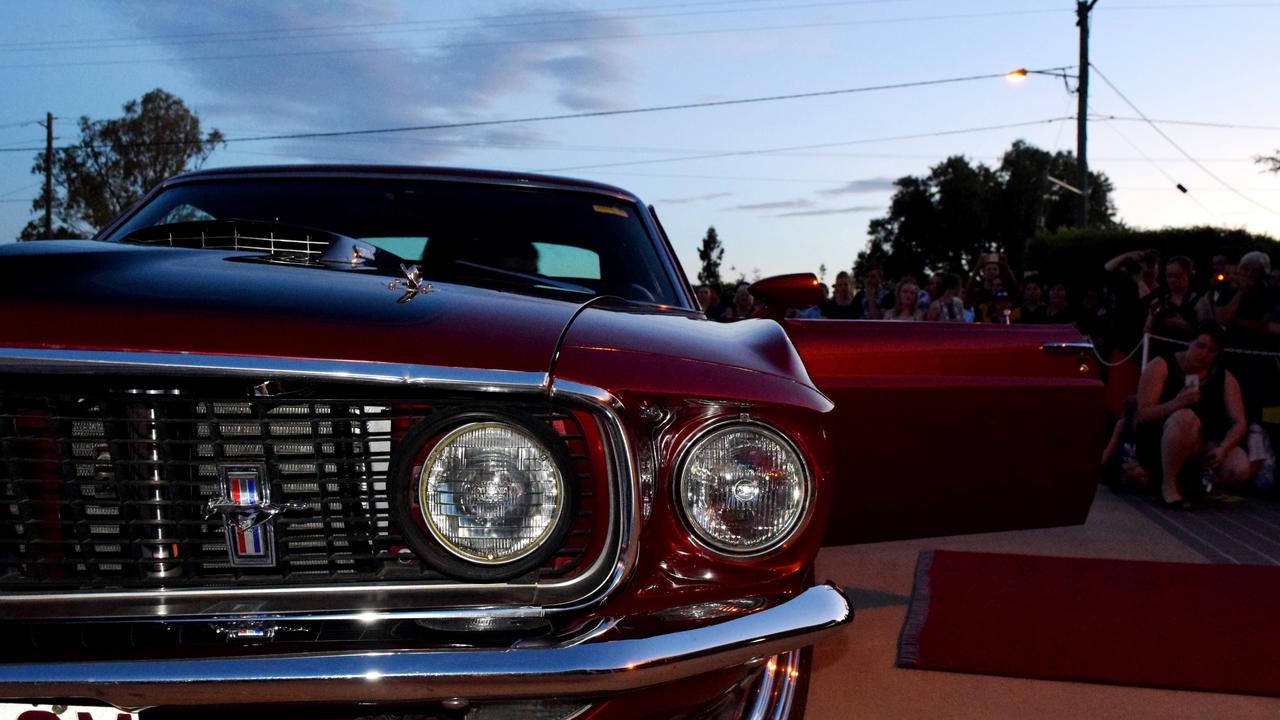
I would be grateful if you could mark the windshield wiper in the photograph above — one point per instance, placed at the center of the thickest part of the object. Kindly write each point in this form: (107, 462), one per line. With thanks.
(534, 280)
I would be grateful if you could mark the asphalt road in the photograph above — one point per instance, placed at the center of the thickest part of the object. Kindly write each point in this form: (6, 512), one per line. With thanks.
(854, 674)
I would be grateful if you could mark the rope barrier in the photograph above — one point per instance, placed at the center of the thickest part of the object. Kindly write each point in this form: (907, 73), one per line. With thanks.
(1238, 351)
(1118, 363)
(1147, 337)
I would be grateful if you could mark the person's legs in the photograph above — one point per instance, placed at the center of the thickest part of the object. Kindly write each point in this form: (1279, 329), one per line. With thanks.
(1236, 469)
(1179, 443)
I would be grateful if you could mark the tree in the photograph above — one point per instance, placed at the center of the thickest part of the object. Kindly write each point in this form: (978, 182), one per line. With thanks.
(943, 220)
(1272, 160)
(117, 161)
(711, 253)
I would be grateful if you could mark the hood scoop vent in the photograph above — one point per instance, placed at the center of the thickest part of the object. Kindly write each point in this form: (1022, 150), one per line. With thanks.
(271, 242)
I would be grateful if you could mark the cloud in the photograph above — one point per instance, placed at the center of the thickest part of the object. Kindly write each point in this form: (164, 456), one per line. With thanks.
(779, 205)
(833, 211)
(878, 184)
(693, 198)
(293, 80)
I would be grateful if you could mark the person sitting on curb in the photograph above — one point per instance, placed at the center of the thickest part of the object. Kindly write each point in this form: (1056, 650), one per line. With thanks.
(1190, 407)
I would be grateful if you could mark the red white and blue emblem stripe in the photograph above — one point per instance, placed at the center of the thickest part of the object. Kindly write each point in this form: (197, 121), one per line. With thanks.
(246, 489)
(244, 492)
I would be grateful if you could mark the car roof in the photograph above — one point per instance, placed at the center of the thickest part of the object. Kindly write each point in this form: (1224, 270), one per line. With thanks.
(423, 172)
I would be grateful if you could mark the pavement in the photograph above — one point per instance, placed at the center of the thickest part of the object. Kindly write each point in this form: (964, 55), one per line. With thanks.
(854, 673)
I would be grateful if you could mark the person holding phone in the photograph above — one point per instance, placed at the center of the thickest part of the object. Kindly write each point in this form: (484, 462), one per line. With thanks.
(1190, 408)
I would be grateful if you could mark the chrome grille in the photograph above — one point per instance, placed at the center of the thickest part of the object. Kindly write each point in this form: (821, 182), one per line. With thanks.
(109, 491)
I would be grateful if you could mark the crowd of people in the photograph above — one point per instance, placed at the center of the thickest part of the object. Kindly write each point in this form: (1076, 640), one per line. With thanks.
(991, 294)
(1188, 421)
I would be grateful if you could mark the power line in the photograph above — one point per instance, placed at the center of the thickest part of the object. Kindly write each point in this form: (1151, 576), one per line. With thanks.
(567, 116)
(1197, 123)
(15, 191)
(766, 151)
(1197, 6)
(1178, 147)
(1176, 184)
(534, 41)
(407, 27)
(558, 15)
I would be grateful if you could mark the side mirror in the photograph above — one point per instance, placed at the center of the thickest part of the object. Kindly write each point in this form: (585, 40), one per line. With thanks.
(775, 295)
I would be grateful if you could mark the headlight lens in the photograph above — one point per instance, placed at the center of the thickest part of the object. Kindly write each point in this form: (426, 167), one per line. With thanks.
(490, 492)
(743, 489)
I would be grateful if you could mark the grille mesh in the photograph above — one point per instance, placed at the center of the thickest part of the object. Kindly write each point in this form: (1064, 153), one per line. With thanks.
(110, 490)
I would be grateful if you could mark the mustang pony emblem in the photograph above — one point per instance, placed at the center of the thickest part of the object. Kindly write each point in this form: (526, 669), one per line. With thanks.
(247, 512)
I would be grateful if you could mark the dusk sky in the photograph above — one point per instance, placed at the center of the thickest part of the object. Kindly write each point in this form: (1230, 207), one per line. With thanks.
(788, 184)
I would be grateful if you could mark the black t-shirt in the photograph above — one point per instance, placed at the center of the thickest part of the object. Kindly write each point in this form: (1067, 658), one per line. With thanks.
(1037, 316)
(1163, 308)
(835, 311)
(1128, 318)
(1064, 316)
(1255, 300)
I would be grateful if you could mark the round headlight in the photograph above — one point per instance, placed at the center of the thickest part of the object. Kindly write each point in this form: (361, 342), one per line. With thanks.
(490, 492)
(481, 497)
(743, 489)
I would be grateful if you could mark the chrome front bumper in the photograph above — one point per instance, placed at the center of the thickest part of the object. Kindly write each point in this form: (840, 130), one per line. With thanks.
(586, 668)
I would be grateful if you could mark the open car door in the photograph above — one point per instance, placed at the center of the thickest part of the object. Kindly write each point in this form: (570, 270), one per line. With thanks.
(943, 429)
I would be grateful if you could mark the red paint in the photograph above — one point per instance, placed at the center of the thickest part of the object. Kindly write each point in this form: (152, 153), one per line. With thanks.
(943, 429)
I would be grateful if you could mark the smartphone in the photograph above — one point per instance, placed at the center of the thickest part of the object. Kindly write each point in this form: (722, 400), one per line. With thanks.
(1191, 381)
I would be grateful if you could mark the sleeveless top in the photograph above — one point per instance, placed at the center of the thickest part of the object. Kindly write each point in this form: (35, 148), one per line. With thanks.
(1212, 406)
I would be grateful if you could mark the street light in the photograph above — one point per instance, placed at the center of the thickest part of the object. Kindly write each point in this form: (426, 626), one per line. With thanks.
(1082, 90)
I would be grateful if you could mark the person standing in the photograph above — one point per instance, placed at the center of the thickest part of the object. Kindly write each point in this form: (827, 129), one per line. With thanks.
(874, 298)
(1173, 312)
(841, 306)
(949, 307)
(709, 302)
(1033, 308)
(1245, 320)
(1058, 310)
(907, 302)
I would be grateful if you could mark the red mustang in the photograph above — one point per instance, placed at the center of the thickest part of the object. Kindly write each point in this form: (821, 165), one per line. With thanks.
(458, 444)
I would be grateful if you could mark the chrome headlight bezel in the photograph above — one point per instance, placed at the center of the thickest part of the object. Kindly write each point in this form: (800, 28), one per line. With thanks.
(412, 463)
(696, 533)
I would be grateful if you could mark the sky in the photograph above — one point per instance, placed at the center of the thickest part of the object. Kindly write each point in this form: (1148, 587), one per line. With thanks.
(789, 184)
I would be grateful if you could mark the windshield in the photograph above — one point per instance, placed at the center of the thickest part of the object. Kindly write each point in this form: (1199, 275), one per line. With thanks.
(467, 232)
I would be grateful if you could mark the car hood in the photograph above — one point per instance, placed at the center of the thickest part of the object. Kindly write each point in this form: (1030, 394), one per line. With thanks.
(99, 295)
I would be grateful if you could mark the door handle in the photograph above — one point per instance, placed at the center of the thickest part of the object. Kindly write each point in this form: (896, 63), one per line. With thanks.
(1066, 348)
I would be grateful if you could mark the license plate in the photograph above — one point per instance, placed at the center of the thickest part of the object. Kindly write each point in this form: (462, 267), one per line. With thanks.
(25, 711)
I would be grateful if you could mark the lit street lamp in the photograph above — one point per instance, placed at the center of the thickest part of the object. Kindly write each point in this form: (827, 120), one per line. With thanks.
(1082, 162)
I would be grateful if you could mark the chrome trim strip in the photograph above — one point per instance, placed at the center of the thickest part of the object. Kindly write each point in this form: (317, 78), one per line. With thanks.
(626, 504)
(1066, 347)
(425, 675)
(357, 371)
(370, 617)
(589, 588)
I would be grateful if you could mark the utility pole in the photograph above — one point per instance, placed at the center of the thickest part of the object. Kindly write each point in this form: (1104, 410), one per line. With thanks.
(48, 175)
(1082, 114)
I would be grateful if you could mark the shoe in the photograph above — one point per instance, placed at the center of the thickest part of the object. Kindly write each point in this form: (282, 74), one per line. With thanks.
(1179, 504)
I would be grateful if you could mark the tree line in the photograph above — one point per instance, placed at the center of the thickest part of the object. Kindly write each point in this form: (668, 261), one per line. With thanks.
(944, 220)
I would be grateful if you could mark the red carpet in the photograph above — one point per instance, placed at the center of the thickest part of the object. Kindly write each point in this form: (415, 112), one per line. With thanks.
(1168, 625)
